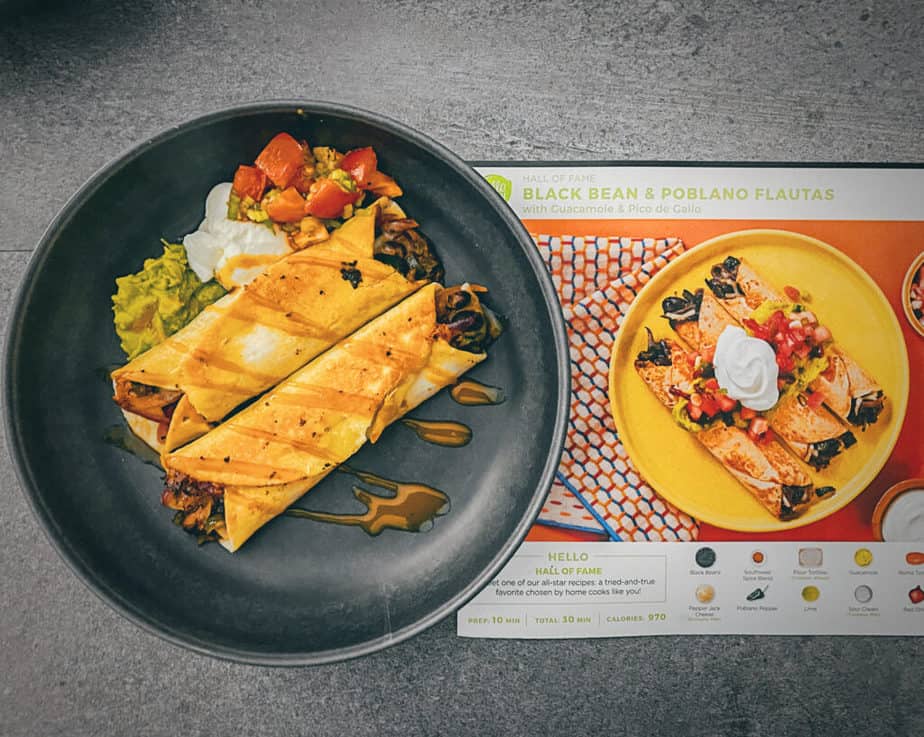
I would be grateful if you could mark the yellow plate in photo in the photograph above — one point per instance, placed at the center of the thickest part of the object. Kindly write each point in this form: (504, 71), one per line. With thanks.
(844, 298)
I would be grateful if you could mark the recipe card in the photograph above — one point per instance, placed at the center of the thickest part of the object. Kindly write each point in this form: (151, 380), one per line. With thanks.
(743, 453)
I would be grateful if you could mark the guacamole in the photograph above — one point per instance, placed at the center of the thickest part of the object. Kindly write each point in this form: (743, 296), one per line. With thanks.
(761, 314)
(159, 300)
(683, 419)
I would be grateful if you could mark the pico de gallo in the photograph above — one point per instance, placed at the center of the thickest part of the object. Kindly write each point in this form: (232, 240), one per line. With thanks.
(701, 402)
(798, 339)
(301, 189)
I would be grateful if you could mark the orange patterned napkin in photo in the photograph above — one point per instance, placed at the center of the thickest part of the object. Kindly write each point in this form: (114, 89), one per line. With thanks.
(596, 488)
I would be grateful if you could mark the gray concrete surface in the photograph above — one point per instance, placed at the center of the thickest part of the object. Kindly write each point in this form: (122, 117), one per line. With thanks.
(677, 79)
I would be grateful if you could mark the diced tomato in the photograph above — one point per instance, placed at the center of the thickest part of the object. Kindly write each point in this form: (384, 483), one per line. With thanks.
(780, 383)
(326, 199)
(694, 412)
(767, 437)
(712, 384)
(360, 163)
(286, 207)
(822, 334)
(696, 399)
(302, 181)
(710, 406)
(726, 403)
(829, 372)
(383, 185)
(282, 160)
(802, 350)
(708, 354)
(758, 427)
(776, 322)
(785, 363)
(815, 399)
(249, 181)
(757, 330)
(747, 413)
(794, 294)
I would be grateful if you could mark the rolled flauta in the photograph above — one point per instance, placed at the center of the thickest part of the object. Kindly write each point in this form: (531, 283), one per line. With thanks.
(698, 318)
(765, 469)
(252, 338)
(739, 288)
(259, 462)
(849, 392)
(812, 433)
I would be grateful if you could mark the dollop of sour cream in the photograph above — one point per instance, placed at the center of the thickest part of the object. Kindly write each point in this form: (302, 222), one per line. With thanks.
(746, 369)
(903, 520)
(232, 251)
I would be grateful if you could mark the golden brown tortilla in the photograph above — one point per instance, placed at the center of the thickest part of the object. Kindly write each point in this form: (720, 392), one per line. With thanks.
(660, 379)
(764, 469)
(281, 446)
(792, 420)
(254, 337)
(801, 426)
(703, 334)
(755, 291)
(848, 382)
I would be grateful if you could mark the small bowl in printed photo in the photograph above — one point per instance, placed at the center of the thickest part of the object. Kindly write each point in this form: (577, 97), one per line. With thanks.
(899, 513)
(913, 294)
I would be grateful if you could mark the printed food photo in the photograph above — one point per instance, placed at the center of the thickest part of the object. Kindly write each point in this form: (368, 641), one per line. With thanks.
(795, 385)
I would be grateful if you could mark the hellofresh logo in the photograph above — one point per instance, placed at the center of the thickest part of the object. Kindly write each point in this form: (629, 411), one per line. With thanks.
(503, 185)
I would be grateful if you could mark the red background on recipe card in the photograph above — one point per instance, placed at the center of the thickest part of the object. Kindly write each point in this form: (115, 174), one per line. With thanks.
(863, 242)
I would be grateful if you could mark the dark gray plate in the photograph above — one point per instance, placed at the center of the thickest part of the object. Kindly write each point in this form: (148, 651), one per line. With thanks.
(299, 591)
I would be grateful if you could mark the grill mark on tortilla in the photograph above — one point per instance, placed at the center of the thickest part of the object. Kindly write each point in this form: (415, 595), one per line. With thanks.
(307, 447)
(313, 396)
(213, 360)
(286, 321)
(219, 464)
(439, 375)
(377, 352)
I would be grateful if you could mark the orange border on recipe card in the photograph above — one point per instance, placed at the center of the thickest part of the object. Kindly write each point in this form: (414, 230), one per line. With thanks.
(885, 250)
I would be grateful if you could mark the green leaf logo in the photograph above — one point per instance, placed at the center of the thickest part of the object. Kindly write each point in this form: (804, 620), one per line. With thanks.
(503, 185)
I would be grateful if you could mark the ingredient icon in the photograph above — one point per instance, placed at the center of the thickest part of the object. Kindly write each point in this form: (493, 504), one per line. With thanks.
(810, 557)
(705, 557)
(705, 593)
(863, 557)
(916, 595)
(811, 593)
